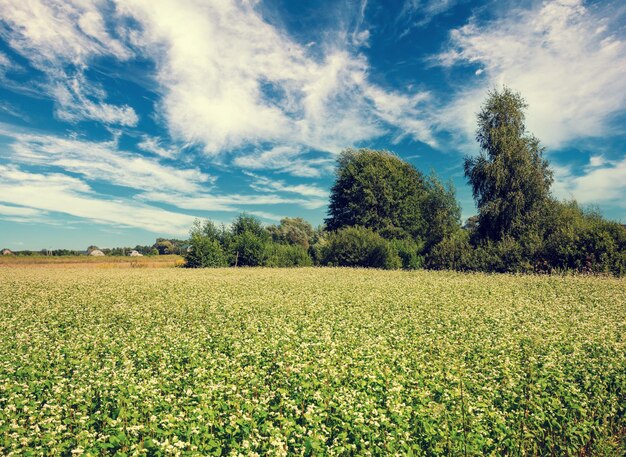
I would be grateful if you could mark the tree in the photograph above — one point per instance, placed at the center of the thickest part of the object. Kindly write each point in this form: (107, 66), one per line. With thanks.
(247, 250)
(377, 190)
(204, 248)
(510, 179)
(294, 231)
(164, 247)
(249, 224)
(441, 211)
(247, 241)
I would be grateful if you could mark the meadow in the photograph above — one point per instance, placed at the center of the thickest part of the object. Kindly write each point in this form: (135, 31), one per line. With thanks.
(310, 361)
(157, 261)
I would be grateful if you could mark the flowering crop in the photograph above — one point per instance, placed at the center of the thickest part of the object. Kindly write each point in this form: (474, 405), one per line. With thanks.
(310, 362)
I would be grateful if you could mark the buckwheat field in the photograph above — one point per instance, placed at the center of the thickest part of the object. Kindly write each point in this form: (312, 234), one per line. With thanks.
(310, 362)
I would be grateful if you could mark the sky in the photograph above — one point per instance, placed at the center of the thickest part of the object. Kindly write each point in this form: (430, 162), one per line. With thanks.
(123, 121)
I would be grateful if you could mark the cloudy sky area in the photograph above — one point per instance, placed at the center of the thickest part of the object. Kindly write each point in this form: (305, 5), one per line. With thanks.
(124, 121)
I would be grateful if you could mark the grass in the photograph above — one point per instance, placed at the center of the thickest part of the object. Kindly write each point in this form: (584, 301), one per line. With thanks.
(310, 362)
(159, 261)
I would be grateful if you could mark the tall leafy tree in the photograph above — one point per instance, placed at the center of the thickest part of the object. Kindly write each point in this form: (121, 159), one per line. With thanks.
(377, 190)
(292, 231)
(510, 179)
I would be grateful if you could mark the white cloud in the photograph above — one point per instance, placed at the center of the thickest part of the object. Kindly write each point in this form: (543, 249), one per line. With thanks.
(64, 194)
(567, 61)
(153, 145)
(418, 13)
(61, 38)
(264, 184)
(230, 79)
(74, 103)
(603, 181)
(228, 203)
(18, 211)
(102, 161)
(226, 76)
(287, 159)
(266, 215)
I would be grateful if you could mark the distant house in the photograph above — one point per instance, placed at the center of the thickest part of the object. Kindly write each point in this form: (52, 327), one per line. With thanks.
(96, 253)
(134, 253)
(7, 252)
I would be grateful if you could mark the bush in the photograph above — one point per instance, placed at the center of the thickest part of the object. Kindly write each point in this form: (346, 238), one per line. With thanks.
(504, 256)
(409, 253)
(247, 250)
(359, 247)
(204, 248)
(285, 255)
(452, 253)
(582, 241)
(204, 252)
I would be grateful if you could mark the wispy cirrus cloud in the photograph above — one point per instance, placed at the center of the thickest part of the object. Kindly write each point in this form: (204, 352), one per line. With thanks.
(61, 38)
(154, 145)
(418, 13)
(227, 78)
(102, 161)
(264, 184)
(566, 59)
(228, 202)
(287, 159)
(59, 193)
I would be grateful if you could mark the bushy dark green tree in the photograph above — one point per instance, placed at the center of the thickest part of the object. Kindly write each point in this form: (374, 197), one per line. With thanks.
(410, 253)
(510, 179)
(454, 252)
(379, 191)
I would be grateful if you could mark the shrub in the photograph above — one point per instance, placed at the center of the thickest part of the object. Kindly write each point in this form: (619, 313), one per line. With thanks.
(247, 250)
(583, 241)
(204, 248)
(409, 253)
(452, 253)
(285, 255)
(204, 252)
(359, 247)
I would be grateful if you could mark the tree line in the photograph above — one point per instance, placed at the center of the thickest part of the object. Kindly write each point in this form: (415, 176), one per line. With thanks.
(384, 213)
(162, 246)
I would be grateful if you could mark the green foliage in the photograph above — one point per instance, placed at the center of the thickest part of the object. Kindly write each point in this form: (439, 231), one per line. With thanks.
(359, 247)
(510, 179)
(247, 249)
(292, 231)
(379, 191)
(453, 253)
(286, 255)
(441, 210)
(248, 244)
(310, 362)
(579, 240)
(204, 249)
(245, 223)
(409, 252)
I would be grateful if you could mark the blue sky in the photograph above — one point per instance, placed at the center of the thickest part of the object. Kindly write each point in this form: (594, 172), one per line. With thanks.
(124, 121)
